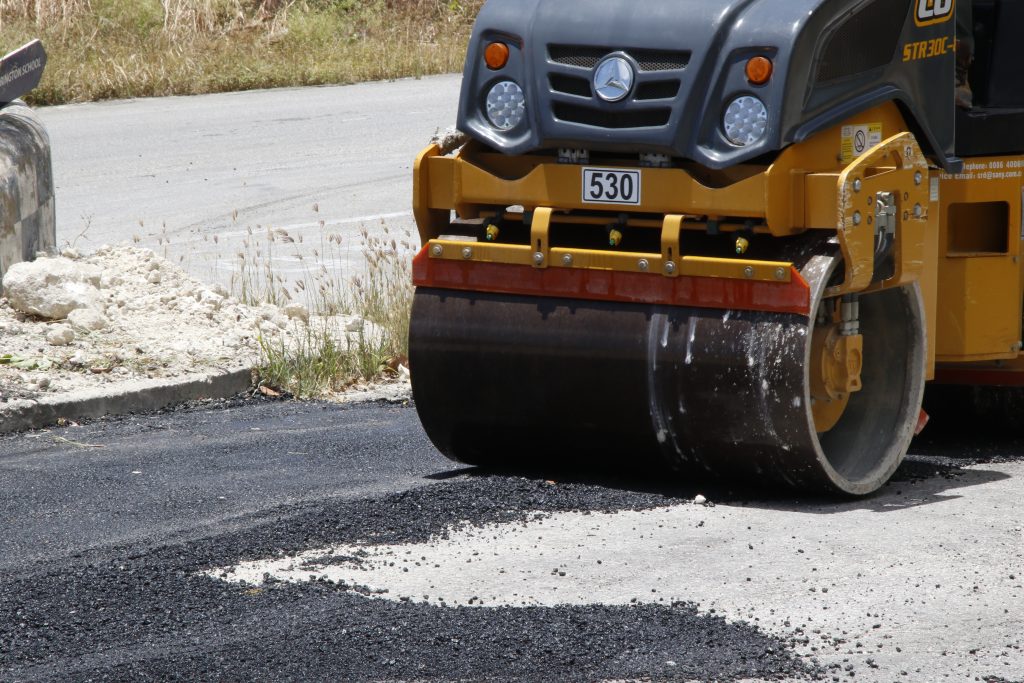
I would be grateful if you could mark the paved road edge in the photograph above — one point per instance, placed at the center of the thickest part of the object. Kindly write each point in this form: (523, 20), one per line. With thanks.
(129, 397)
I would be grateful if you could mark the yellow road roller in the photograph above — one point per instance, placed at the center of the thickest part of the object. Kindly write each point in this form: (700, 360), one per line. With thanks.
(738, 236)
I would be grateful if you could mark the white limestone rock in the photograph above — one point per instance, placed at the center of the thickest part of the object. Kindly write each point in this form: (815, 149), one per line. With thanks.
(268, 311)
(88, 319)
(109, 280)
(52, 287)
(60, 335)
(211, 299)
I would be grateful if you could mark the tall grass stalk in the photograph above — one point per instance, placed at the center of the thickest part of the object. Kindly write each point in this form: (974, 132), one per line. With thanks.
(333, 351)
(384, 294)
(43, 14)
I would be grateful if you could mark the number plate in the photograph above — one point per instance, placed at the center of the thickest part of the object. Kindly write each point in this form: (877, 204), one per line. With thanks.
(611, 186)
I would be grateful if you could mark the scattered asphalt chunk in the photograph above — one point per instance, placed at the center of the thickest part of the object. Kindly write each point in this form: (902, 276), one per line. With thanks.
(121, 614)
(421, 514)
(320, 634)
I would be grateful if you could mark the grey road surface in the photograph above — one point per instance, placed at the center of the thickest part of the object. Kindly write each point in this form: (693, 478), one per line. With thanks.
(173, 173)
(272, 540)
(111, 529)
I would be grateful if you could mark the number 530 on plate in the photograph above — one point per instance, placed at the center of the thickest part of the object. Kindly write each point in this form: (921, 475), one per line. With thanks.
(611, 186)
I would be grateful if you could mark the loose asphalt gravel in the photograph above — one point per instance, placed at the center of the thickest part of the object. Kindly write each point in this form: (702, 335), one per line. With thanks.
(110, 527)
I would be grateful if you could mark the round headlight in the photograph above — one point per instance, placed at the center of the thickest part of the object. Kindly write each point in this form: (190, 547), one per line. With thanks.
(506, 105)
(746, 120)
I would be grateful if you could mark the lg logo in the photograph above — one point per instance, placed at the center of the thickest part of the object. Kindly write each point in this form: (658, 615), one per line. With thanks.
(934, 11)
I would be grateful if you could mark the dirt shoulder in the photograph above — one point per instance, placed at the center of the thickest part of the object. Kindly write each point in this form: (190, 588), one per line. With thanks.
(124, 319)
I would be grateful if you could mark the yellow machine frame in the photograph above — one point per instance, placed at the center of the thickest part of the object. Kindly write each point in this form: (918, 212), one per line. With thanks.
(957, 236)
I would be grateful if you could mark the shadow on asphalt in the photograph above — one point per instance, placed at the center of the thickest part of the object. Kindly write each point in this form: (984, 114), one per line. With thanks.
(969, 426)
(939, 462)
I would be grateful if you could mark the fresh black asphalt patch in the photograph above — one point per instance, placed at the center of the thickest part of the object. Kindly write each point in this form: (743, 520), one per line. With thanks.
(142, 610)
(118, 615)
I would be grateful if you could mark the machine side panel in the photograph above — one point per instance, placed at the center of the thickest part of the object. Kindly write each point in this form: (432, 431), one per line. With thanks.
(979, 293)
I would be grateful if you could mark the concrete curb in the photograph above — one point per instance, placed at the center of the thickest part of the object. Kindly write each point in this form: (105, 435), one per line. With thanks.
(27, 219)
(128, 397)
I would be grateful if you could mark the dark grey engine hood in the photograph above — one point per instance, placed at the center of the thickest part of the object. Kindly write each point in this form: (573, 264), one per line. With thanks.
(689, 56)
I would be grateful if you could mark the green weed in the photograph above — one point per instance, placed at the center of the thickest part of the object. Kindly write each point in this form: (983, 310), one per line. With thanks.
(327, 356)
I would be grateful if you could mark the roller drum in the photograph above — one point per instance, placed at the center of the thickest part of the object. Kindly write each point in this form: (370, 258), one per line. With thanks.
(500, 379)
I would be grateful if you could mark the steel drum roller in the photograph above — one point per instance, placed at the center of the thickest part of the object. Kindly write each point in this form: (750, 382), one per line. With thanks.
(500, 379)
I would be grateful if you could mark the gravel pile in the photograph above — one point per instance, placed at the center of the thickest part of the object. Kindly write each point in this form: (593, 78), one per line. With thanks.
(74, 323)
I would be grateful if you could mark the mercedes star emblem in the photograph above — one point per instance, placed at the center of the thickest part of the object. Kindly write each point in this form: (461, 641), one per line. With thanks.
(613, 79)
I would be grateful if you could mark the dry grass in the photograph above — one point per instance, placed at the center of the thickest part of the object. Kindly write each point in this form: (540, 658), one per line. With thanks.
(330, 356)
(384, 294)
(136, 48)
(44, 14)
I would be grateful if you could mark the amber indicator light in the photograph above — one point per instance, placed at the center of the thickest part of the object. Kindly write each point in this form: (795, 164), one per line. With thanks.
(496, 55)
(759, 70)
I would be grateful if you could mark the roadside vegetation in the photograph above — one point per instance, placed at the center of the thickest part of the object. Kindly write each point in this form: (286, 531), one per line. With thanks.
(358, 330)
(101, 49)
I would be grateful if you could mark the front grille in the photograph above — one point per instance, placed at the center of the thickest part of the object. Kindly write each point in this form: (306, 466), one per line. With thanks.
(580, 57)
(656, 60)
(646, 118)
(587, 57)
(570, 85)
(657, 90)
(658, 80)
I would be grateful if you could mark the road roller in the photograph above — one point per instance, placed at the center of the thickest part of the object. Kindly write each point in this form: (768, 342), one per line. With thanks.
(737, 237)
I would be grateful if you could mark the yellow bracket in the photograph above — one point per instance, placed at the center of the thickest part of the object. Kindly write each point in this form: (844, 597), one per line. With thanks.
(430, 221)
(737, 269)
(539, 229)
(624, 262)
(671, 247)
(835, 372)
(895, 165)
(481, 252)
